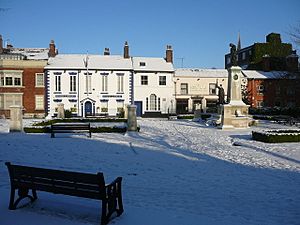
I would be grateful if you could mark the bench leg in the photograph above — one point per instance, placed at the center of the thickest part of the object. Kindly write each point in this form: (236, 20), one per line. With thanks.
(12, 199)
(23, 193)
(104, 217)
(52, 135)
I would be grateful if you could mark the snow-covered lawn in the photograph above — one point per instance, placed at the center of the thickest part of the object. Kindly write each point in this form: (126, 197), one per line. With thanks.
(174, 172)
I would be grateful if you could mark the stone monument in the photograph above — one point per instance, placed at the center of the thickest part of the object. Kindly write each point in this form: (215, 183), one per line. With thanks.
(16, 118)
(131, 120)
(235, 113)
(61, 111)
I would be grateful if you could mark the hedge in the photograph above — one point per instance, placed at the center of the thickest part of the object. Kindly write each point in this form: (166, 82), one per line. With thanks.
(276, 136)
(93, 129)
(49, 122)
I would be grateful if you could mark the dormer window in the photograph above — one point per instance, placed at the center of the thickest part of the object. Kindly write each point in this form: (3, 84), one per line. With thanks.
(142, 64)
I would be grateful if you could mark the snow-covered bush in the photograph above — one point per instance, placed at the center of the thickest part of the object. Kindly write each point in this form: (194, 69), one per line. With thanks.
(276, 136)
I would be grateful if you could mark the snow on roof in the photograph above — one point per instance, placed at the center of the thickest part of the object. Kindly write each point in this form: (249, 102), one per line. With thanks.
(76, 61)
(254, 74)
(151, 64)
(215, 73)
(32, 53)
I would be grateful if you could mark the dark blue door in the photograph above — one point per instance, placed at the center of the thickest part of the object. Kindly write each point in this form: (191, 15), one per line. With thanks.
(139, 108)
(88, 108)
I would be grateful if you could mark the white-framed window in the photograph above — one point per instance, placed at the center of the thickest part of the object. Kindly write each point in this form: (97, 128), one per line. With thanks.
(39, 102)
(144, 80)
(184, 88)
(57, 83)
(243, 55)
(72, 83)
(162, 80)
(228, 60)
(104, 82)
(212, 89)
(260, 104)
(39, 80)
(120, 106)
(120, 82)
(11, 78)
(9, 99)
(104, 106)
(260, 89)
(153, 102)
(88, 82)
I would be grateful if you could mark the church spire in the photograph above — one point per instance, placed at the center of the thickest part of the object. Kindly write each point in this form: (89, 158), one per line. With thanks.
(239, 42)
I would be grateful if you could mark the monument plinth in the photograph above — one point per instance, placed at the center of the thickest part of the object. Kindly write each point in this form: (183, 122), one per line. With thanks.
(131, 120)
(16, 118)
(235, 113)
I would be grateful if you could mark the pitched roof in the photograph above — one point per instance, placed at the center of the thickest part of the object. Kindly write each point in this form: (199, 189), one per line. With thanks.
(255, 74)
(215, 73)
(31, 53)
(76, 61)
(151, 64)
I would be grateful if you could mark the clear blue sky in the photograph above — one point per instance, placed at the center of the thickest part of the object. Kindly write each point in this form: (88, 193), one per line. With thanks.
(198, 30)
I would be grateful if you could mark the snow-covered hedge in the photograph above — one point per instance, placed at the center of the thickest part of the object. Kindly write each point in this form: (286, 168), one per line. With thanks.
(276, 136)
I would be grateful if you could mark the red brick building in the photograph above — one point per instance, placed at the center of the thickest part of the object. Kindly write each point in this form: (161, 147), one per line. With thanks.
(273, 89)
(22, 80)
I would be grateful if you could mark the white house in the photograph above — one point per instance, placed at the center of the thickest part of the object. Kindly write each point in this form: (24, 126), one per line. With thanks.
(153, 85)
(104, 84)
(89, 84)
(198, 88)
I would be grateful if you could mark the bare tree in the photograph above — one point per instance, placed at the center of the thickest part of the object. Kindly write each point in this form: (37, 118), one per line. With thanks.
(294, 34)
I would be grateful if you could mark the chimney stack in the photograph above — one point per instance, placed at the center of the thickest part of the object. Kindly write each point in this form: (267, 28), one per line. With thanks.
(126, 51)
(169, 54)
(52, 52)
(292, 62)
(106, 51)
(266, 63)
(1, 44)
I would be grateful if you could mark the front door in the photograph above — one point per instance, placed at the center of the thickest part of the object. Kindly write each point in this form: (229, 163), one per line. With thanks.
(139, 109)
(88, 108)
(182, 106)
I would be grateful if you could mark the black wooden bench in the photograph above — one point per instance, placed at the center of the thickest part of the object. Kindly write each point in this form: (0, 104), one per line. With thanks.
(71, 128)
(92, 186)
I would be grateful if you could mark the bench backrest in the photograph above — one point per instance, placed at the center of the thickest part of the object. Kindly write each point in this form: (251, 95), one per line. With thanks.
(58, 181)
(71, 126)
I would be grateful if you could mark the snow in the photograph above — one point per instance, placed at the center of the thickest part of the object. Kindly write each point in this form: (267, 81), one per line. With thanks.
(254, 74)
(175, 172)
(151, 64)
(75, 61)
(216, 73)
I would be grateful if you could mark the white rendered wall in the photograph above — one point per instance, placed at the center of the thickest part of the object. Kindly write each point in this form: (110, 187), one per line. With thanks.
(164, 92)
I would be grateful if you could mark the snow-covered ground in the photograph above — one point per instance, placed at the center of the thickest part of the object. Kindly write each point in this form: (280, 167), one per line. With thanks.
(174, 172)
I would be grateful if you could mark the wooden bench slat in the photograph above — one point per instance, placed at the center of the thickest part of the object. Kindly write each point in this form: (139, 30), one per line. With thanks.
(57, 174)
(60, 183)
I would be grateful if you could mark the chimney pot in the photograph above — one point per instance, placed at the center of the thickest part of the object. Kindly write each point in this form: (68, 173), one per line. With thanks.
(106, 51)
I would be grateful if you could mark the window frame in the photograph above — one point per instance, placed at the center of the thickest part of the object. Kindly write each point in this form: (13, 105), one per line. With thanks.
(184, 88)
(39, 106)
(162, 80)
(37, 84)
(144, 80)
(212, 91)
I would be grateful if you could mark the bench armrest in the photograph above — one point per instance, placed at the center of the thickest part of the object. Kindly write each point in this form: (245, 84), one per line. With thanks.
(118, 180)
